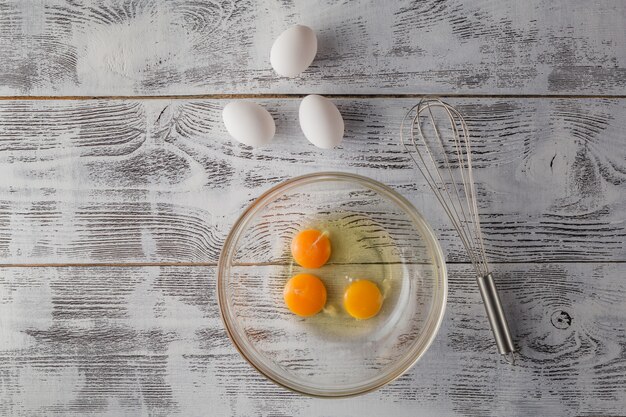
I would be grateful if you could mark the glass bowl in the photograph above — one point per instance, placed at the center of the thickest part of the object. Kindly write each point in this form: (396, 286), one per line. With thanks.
(375, 234)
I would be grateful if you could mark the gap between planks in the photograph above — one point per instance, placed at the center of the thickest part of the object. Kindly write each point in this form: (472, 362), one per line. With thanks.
(214, 264)
(299, 95)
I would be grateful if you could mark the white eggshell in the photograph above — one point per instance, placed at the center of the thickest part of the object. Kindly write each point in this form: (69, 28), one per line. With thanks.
(321, 121)
(293, 50)
(248, 123)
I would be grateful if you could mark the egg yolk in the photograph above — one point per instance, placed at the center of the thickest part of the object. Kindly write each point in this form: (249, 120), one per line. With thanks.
(362, 299)
(305, 295)
(310, 248)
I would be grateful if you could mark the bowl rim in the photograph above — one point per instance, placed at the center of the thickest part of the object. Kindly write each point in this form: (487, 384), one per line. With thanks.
(438, 261)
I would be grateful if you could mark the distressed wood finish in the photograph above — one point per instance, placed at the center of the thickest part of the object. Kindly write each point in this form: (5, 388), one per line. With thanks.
(160, 181)
(149, 341)
(58, 47)
(123, 181)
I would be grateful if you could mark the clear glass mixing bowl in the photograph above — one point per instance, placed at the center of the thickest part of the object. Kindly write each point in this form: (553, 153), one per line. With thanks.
(375, 234)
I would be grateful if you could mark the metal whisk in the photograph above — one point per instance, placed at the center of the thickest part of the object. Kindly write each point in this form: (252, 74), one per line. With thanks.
(446, 164)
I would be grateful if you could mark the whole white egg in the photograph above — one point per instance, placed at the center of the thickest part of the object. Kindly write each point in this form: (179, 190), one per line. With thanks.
(293, 50)
(321, 121)
(248, 123)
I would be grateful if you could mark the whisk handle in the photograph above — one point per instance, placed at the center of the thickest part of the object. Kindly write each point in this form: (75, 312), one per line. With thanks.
(496, 316)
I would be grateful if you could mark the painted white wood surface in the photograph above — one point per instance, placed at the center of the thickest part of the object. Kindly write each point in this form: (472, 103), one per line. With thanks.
(149, 341)
(115, 181)
(119, 181)
(128, 47)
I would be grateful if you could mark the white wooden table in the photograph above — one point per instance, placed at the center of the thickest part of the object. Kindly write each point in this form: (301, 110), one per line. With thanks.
(118, 185)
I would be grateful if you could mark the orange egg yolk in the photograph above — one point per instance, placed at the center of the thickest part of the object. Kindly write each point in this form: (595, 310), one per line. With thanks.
(362, 299)
(310, 248)
(305, 295)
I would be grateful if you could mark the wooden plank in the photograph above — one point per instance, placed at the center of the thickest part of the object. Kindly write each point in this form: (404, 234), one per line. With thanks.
(124, 47)
(160, 181)
(148, 340)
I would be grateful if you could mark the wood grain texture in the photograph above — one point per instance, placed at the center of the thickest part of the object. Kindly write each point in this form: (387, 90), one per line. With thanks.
(149, 341)
(125, 47)
(160, 180)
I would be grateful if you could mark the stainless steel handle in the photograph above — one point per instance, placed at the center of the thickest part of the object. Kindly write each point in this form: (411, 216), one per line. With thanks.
(496, 316)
